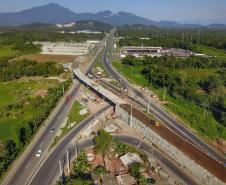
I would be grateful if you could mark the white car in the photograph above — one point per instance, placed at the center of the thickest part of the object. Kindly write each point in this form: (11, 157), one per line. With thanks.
(39, 153)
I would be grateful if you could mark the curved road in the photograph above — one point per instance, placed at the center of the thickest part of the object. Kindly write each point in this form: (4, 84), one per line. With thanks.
(161, 114)
(51, 164)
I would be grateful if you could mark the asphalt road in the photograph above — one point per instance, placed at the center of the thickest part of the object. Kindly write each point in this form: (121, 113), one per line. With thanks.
(160, 113)
(50, 167)
(51, 164)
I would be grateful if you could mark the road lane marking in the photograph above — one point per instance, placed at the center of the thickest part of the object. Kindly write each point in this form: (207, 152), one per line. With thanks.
(28, 164)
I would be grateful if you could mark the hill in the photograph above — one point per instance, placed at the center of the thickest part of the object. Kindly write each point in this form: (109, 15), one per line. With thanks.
(56, 14)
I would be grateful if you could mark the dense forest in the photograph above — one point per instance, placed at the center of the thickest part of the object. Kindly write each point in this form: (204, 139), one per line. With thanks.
(191, 39)
(200, 80)
(27, 36)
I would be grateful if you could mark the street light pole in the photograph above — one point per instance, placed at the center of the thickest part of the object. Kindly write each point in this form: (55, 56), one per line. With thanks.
(149, 101)
(131, 116)
(61, 173)
(63, 87)
(68, 163)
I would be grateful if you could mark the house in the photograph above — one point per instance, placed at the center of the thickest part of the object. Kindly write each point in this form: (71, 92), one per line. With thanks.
(126, 179)
(108, 179)
(130, 158)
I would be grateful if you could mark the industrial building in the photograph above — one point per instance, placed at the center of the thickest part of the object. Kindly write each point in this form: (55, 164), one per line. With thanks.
(141, 51)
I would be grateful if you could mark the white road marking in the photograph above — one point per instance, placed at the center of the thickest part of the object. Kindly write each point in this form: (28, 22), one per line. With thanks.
(41, 144)
(28, 164)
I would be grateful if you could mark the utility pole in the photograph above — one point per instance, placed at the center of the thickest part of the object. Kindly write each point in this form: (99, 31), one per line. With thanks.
(206, 105)
(132, 73)
(68, 163)
(131, 116)
(149, 101)
(61, 172)
(164, 95)
(198, 40)
(63, 87)
(76, 150)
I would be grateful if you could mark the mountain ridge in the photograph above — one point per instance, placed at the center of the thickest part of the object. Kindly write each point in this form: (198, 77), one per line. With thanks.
(53, 13)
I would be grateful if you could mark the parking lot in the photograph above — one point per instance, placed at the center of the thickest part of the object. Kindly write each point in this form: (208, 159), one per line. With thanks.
(66, 48)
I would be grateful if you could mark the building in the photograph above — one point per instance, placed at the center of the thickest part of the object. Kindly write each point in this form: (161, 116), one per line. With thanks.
(69, 25)
(138, 51)
(130, 158)
(126, 179)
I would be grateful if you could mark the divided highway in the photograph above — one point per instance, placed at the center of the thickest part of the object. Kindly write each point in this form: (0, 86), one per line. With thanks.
(159, 112)
(49, 169)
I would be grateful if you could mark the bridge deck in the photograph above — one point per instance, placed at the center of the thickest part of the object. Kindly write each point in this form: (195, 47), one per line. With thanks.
(97, 88)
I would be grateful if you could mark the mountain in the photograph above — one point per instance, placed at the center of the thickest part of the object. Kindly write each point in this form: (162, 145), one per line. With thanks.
(216, 26)
(50, 13)
(55, 14)
(80, 25)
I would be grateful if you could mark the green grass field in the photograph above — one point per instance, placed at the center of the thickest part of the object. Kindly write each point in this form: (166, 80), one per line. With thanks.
(187, 111)
(7, 51)
(16, 92)
(211, 51)
(74, 117)
(74, 113)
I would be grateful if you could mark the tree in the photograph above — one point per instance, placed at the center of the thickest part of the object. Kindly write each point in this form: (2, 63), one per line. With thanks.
(22, 135)
(2, 150)
(99, 170)
(11, 147)
(103, 142)
(31, 126)
(81, 166)
(134, 170)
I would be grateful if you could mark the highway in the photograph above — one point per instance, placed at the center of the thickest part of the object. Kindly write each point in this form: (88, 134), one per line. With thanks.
(50, 167)
(28, 163)
(52, 162)
(159, 112)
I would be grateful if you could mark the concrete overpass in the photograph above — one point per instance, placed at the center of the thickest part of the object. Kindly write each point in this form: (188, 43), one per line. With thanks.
(107, 95)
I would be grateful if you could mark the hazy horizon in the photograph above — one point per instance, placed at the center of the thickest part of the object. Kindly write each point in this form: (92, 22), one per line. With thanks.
(182, 11)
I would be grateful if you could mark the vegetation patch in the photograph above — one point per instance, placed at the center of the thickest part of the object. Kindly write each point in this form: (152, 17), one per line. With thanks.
(195, 88)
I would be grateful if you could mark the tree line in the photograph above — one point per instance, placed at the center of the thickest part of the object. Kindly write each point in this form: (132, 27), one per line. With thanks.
(177, 38)
(207, 92)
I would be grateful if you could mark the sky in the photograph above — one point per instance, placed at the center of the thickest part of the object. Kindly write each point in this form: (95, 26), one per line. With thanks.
(182, 11)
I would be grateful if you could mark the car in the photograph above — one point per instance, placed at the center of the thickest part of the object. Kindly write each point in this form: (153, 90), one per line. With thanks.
(68, 98)
(52, 130)
(38, 153)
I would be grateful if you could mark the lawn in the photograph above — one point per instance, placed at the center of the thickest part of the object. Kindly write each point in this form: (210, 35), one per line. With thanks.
(74, 113)
(211, 51)
(74, 117)
(14, 93)
(191, 114)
